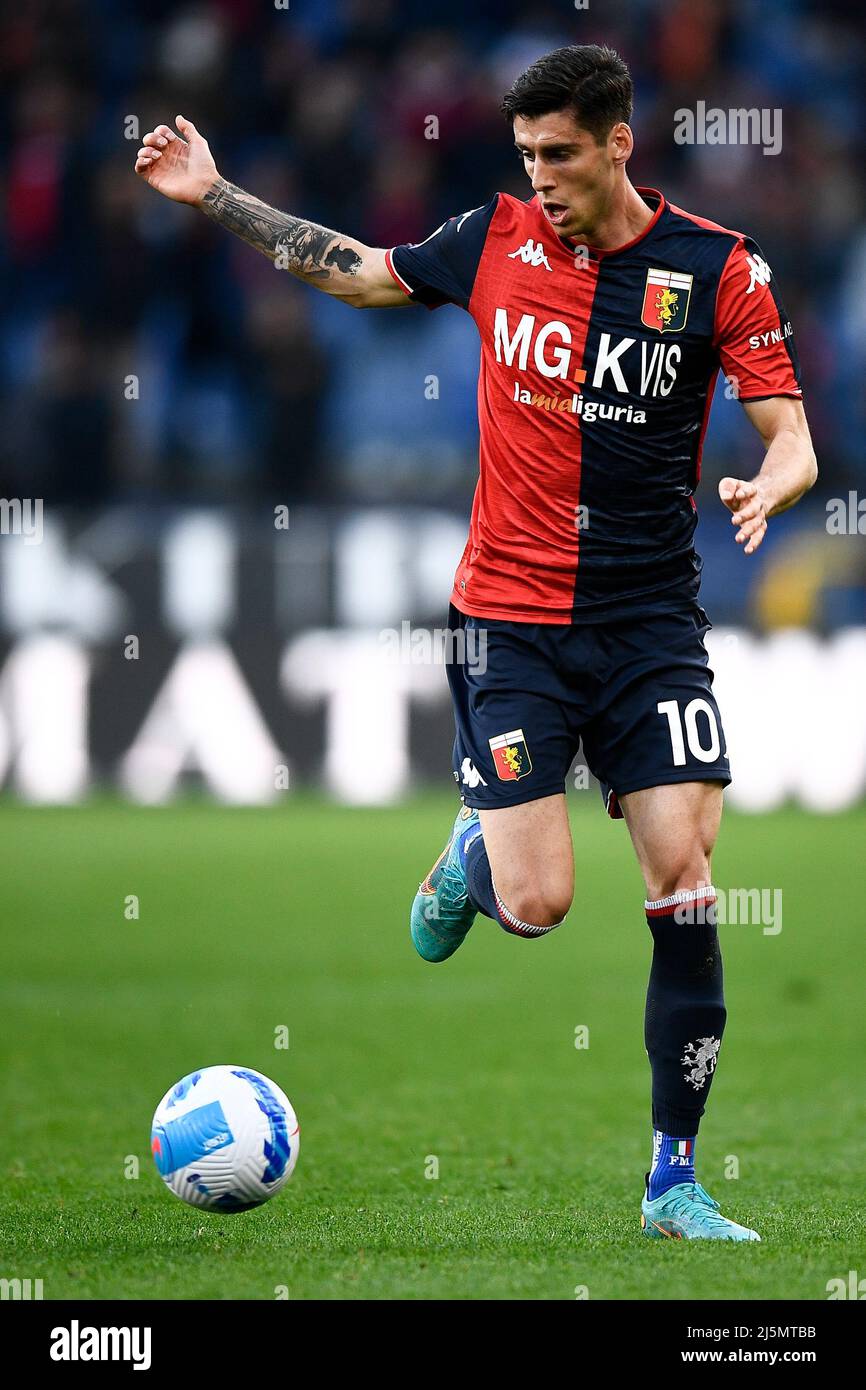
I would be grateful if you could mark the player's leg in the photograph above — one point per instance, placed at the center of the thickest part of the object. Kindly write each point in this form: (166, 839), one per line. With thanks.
(673, 829)
(521, 872)
(659, 747)
(509, 855)
(514, 865)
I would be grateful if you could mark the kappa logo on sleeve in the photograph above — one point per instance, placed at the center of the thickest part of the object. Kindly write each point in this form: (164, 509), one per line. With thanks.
(510, 756)
(759, 272)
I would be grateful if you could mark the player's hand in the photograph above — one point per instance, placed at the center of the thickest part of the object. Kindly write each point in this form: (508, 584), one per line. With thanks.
(749, 509)
(181, 169)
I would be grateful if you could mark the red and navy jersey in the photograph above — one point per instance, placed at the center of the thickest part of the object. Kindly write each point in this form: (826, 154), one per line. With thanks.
(597, 373)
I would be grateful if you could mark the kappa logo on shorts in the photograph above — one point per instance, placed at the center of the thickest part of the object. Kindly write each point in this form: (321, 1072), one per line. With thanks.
(510, 756)
(471, 776)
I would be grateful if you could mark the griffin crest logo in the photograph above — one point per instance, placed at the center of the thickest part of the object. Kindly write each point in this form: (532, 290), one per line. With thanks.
(699, 1059)
(510, 756)
(666, 300)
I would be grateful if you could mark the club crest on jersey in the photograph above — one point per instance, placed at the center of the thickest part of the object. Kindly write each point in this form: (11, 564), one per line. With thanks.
(510, 756)
(666, 300)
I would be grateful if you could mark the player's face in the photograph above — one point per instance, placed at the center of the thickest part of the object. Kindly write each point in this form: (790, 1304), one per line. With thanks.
(572, 174)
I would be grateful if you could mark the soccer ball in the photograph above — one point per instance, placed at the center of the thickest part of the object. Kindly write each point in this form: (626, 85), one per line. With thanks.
(225, 1138)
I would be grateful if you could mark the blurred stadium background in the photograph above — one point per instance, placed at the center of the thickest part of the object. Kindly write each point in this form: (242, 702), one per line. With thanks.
(167, 398)
(164, 394)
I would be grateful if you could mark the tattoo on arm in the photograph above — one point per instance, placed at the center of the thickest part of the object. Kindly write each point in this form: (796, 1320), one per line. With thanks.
(305, 249)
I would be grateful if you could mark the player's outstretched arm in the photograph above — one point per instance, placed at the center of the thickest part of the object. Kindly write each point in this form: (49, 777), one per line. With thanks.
(182, 168)
(788, 471)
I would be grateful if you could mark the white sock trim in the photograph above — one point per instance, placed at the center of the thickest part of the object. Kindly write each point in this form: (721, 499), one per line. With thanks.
(682, 895)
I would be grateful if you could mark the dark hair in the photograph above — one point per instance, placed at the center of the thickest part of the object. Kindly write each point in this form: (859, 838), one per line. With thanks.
(592, 82)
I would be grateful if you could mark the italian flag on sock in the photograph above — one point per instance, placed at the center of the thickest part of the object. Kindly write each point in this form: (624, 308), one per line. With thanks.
(683, 1147)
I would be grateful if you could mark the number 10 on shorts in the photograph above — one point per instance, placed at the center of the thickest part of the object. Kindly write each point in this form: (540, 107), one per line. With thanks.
(684, 728)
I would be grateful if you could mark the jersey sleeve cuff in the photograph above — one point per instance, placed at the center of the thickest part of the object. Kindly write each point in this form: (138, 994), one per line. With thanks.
(791, 394)
(395, 274)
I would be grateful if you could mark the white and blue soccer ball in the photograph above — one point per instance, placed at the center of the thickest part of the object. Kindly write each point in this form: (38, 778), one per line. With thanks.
(225, 1138)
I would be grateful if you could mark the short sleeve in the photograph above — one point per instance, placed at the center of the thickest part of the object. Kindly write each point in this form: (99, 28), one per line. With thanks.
(753, 335)
(442, 269)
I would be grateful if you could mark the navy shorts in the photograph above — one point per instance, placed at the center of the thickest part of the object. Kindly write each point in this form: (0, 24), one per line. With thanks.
(637, 693)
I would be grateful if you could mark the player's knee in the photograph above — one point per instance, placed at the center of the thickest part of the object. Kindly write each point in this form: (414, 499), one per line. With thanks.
(538, 904)
(685, 871)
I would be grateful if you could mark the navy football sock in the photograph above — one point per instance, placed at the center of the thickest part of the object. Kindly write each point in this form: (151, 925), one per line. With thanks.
(685, 1008)
(673, 1162)
(478, 875)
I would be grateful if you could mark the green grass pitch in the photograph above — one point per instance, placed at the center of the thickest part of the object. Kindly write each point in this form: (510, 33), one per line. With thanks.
(296, 917)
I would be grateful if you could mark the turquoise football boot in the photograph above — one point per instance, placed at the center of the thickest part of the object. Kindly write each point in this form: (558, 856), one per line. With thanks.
(442, 913)
(687, 1212)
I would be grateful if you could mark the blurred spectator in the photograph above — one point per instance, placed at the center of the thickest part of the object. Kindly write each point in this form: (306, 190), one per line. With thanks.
(251, 386)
